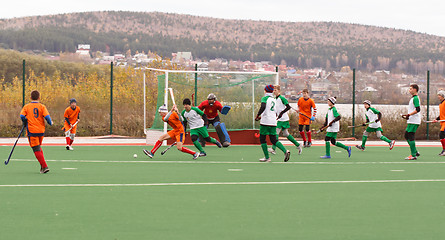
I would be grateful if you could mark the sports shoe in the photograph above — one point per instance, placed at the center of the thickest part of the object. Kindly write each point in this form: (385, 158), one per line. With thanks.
(225, 144)
(218, 144)
(202, 154)
(410, 157)
(270, 150)
(417, 154)
(287, 156)
(148, 153)
(300, 149)
(70, 148)
(349, 151)
(309, 144)
(264, 159)
(325, 157)
(44, 170)
(391, 144)
(67, 147)
(305, 144)
(360, 147)
(442, 153)
(196, 155)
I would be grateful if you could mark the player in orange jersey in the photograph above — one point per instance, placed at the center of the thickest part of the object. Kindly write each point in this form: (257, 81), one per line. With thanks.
(307, 112)
(441, 117)
(32, 115)
(175, 121)
(70, 123)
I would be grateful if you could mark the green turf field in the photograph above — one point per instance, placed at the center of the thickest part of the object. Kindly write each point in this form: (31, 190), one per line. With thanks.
(102, 192)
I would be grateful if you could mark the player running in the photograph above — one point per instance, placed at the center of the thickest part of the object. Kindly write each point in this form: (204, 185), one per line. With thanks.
(373, 117)
(211, 106)
(441, 117)
(413, 119)
(333, 127)
(32, 115)
(268, 124)
(283, 124)
(71, 116)
(307, 112)
(175, 121)
(197, 119)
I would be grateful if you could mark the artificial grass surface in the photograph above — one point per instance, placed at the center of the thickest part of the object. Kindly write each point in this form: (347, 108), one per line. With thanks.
(303, 209)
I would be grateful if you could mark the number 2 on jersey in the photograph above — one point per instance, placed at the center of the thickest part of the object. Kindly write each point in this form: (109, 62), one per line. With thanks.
(273, 106)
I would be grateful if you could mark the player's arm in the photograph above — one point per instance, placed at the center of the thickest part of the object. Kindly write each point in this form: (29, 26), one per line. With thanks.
(66, 116)
(23, 116)
(218, 106)
(202, 105)
(417, 105)
(314, 111)
(284, 110)
(167, 116)
(204, 117)
(184, 120)
(260, 111)
(47, 116)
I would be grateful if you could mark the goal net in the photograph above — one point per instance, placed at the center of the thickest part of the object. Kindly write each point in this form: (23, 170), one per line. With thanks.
(242, 91)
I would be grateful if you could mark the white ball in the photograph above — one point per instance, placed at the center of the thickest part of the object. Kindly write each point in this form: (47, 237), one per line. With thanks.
(135, 155)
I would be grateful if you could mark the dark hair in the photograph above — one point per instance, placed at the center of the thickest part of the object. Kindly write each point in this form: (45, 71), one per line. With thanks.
(186, 102)
(415, 86)
(35, 95)
(306, 90)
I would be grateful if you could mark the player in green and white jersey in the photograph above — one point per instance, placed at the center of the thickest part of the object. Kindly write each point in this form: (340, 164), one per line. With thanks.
(268, 124)
(196, 119)
(332, 126)
(413, 119)
(283, 124)
(373, 117)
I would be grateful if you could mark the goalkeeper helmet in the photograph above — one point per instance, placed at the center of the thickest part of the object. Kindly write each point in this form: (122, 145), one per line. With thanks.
(211, 96)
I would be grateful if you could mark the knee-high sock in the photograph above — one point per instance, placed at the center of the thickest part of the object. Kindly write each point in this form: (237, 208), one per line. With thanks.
(68, 141)
(309, 136)
(364, 139)
(198, 145)
(280, 146)
(41, 159)
(443, 143)
(212, 140)
(339, 144)
(302, 136)
(71, 141)
(385, 139)
(186, 150)
(292, 139)
(264, 148)
(156, 147)
(328, 148)
(412, 146)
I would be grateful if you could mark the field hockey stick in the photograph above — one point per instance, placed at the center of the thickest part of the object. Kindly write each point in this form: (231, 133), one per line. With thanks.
(433, 121)
(12, 150)
(302, 113)
(320, 130)
(72, 127)
(193, 98)
(361, 125)
(163, 152)
(172, 96)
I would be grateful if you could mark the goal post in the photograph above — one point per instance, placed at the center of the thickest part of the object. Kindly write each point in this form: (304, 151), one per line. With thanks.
(240, 90)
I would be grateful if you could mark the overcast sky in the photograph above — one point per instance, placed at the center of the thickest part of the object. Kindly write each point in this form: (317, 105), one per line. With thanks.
(427, 16)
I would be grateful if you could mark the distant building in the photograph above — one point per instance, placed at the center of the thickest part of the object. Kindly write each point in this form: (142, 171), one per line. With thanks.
(83, 50)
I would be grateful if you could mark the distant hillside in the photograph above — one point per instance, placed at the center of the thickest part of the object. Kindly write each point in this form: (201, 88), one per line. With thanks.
(309, 44)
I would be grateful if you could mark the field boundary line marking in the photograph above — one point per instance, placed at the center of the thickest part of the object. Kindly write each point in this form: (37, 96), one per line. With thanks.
(219, 183)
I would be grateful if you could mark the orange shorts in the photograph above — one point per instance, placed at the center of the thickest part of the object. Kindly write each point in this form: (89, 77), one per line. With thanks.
(35, 141)
(304, 120)
(179, 136)
(442, 126)
(66, 126)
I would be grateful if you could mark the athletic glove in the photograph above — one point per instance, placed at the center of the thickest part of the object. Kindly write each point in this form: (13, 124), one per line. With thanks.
(257, 118)
(405, 116)
(312, 118)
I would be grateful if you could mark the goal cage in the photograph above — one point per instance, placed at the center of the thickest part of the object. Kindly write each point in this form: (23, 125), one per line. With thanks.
(242, 91)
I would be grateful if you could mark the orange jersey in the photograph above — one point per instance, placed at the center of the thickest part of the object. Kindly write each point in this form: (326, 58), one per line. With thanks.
(175, 122)
(442, 115)
(306, 106)
(35, 113)
(71, 115)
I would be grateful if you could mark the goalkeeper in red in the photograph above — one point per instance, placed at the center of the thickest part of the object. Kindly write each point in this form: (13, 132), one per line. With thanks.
(373, 117)
(211, 106)
(178, 133)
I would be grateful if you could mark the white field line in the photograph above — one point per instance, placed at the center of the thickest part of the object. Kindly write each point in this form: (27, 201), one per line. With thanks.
(218, 162)
(219, 183)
